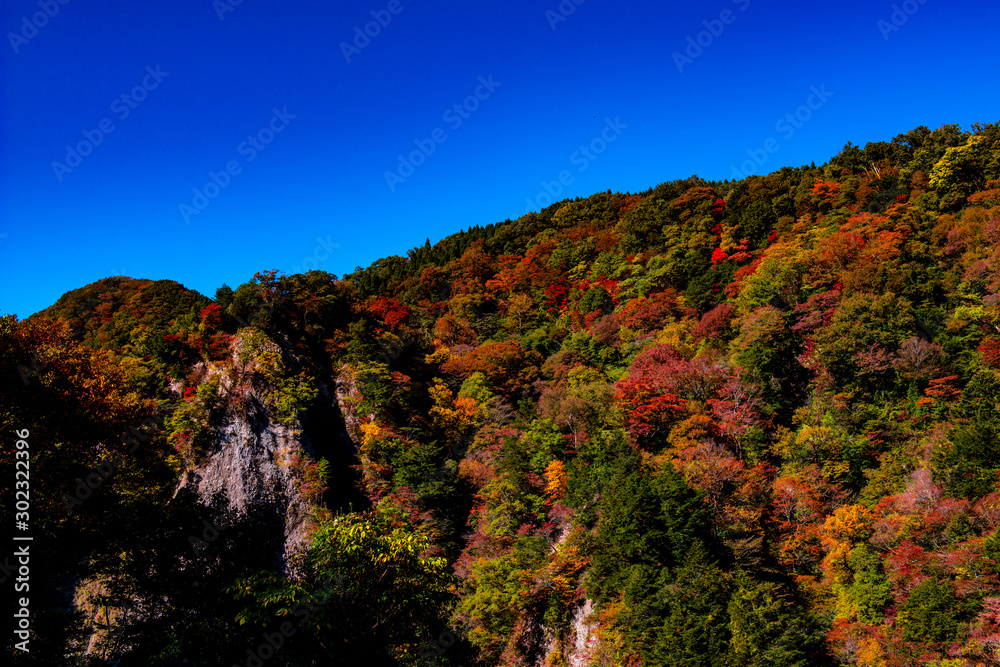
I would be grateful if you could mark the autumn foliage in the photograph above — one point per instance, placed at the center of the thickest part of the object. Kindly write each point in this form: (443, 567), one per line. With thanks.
(711, 423)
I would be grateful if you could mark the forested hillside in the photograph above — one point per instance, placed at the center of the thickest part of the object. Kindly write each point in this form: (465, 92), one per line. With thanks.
(741, 423)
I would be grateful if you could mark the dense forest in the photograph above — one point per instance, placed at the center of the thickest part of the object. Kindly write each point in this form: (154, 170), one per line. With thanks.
(745, 423)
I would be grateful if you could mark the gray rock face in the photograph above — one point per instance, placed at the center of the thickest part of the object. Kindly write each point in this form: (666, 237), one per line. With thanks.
(584, 642)
(248, 471)
(346, 392)
(251, 466)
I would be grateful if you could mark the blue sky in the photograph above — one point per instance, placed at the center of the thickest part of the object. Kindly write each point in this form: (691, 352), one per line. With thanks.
(248, 137)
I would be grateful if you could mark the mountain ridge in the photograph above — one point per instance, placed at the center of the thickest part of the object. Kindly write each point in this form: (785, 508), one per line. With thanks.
(711, 423)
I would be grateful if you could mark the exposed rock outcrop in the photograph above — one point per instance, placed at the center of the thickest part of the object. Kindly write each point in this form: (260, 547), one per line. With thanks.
(250, 468)
(252, 461)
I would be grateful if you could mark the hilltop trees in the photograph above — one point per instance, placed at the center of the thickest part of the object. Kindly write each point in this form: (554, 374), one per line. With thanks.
(737, 423)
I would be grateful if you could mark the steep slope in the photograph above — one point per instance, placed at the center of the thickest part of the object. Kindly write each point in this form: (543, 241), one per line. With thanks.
(737, 423)
(254, 457)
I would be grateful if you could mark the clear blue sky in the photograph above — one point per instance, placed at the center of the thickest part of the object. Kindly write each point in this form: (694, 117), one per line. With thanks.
(322, 176)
